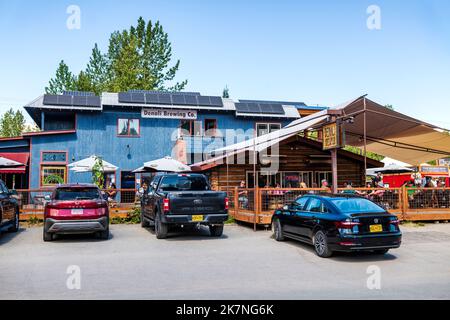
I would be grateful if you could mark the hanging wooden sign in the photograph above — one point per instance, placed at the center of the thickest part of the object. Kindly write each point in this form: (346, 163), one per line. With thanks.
(331, 136)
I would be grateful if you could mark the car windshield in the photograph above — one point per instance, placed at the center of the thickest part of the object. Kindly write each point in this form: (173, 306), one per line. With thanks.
(77, 194)
(184, 183)
(356, 205)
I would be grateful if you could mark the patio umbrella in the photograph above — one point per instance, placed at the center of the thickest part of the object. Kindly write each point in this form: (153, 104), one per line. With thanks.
(166, 164)
(4, 162)
(394, 168)
(87, 164)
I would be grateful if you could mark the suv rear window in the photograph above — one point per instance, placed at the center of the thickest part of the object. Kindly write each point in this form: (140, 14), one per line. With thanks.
(184, 183)
(76, 194)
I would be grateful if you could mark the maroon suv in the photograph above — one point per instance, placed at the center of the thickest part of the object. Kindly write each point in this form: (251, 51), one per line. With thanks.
(76, 209)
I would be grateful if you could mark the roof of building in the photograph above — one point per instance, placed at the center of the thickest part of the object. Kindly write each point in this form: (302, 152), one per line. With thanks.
(87, 102)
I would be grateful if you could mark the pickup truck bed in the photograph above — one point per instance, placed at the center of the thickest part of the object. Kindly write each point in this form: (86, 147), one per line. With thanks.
(183, 200)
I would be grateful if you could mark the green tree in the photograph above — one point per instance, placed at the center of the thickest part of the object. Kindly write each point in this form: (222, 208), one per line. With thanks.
(97, 173)
(97, 70)
(137, 58)
(83, 82)
(12, 123)
(226, 92)
(360, 152)
(63, 80)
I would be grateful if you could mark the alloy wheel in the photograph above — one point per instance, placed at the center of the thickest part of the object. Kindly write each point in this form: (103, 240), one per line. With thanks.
(319, 243)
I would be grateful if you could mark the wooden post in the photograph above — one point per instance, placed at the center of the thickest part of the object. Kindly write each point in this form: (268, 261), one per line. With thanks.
(365, 141)
(236, 202)
(255, 205)
(334, 170)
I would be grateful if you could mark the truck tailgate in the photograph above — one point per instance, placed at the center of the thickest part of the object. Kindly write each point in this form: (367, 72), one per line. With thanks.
(197, 202)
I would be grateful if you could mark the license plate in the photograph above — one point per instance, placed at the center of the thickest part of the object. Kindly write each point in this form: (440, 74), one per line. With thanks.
(76, 211)
(376, 228)
(197, 218)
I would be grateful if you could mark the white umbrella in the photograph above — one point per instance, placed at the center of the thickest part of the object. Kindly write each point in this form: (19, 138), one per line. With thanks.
(86, 165)
(4, 162)
(166, 164)
(393, 168)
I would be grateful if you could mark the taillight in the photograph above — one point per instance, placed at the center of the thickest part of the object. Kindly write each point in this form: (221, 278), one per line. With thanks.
(394, 222)
(166, 205)
(53, 212)
(101, 211)
(226, 203)
(347, 224)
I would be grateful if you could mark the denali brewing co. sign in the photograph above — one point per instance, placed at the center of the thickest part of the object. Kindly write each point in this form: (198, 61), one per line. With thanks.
(169, 114)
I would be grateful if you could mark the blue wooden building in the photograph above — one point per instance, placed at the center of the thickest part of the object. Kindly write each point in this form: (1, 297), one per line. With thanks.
(130, 128)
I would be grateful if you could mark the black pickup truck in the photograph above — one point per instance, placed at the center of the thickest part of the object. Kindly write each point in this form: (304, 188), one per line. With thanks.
(183, 200)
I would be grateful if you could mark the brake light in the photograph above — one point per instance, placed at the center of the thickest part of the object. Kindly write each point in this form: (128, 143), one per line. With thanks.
(53, 212)
(101, 211)
(395, 222)
(226, 203)
(166, 205)
(346, 224)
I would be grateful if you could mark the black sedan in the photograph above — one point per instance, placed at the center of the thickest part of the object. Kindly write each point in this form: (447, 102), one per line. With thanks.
(337, 223)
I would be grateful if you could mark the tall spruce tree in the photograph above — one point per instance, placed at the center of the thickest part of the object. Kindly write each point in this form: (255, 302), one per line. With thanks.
(137, 58)
(12, 123)
(64, 80)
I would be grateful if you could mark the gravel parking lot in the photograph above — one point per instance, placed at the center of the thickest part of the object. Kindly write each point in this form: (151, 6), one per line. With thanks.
(242, 264)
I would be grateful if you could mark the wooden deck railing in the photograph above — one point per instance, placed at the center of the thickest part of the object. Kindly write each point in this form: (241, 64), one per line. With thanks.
(256, 205)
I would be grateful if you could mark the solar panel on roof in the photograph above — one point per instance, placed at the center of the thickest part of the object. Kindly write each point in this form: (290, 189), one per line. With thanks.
(138, 97)
(216, 101)
(265, 108)
(93, 101)
(151, 98)
(277, 109)
(64, 100)
(78, 93)
(178, 99)
(160, 92)
(165, 98)
(191, 100)
(125, 97)
(79, 101)
(203, 101)
(241, 107)
(50, 99)
(259, 108)
(72, 101)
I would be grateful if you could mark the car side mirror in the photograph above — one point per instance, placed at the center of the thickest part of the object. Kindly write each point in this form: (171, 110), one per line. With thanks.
(12, 192)
(47, 198)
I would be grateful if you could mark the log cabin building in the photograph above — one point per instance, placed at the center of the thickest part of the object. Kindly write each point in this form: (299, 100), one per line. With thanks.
(300, 159)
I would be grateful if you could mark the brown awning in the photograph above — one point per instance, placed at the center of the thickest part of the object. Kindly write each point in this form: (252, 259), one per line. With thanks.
(393, 134)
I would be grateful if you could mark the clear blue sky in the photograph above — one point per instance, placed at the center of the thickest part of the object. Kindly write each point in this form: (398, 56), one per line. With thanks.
(320, 52)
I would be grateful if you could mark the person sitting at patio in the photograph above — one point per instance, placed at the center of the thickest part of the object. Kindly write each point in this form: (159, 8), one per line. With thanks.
(325, 186)
(303, 185)
(377, 179)
(112, 192)
(243, 199)
(348, 188)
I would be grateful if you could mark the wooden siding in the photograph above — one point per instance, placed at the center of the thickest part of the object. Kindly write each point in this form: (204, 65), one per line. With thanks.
(295, 155)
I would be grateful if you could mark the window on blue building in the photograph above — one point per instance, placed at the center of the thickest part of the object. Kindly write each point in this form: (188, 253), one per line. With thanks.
(190, 128)
(128, 127)
(265, 128)
(210, 127)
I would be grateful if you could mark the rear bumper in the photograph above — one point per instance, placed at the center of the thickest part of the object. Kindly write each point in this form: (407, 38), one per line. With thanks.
(366, 242)
(187, 219)
(76, 226)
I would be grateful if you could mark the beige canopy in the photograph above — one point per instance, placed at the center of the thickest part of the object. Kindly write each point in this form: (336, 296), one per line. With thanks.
(388, 133)
(392, 134)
